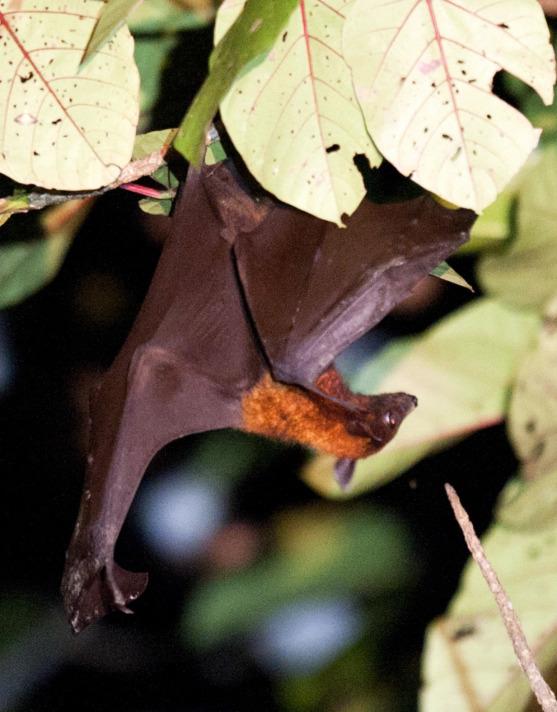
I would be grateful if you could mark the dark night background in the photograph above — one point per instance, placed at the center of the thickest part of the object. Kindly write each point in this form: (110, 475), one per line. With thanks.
(52, 346)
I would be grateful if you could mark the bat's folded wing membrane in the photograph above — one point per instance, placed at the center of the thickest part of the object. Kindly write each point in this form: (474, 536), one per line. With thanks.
(335, 284)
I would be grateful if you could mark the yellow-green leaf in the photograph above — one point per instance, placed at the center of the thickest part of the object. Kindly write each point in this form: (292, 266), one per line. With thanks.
(524, 272)
(149, 143)
(461, 371)
(64, 127)
(469, 663)
(423, 74)
(293, 114)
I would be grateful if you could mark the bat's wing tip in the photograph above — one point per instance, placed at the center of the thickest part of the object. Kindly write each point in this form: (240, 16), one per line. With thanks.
(90, 595)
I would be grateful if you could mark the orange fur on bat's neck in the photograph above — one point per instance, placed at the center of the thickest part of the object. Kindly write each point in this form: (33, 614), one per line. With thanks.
(295, 415)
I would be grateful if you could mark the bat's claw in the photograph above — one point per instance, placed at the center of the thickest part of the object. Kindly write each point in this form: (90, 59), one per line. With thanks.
(93, 588)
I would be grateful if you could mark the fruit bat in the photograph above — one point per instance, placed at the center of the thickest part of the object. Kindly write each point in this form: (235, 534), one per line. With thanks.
(250, 303)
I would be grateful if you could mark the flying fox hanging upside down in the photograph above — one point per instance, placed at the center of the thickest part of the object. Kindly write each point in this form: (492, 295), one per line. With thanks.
(251, 302)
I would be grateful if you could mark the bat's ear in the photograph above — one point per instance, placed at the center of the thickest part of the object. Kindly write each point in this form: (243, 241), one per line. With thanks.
(233, 200)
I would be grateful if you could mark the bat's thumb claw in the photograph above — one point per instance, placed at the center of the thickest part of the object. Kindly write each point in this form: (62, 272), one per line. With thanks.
(344, 469)
(90, 592)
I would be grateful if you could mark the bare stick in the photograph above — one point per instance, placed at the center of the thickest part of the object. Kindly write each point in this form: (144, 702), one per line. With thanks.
(540, 688)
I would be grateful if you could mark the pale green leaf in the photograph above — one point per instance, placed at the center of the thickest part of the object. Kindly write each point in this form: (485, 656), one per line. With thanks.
(531, 501)
(448, 274)
(532, 421)
(162, 205)
(247, 40)
(469, 663)
(524, 272)
(294, 117)
(64, 127)
(529, 504)
(27, 266)
(112, 17)
(423, 74)
(461, 371)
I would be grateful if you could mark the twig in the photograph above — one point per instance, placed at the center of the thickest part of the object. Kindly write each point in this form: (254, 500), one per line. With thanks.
(540, 688)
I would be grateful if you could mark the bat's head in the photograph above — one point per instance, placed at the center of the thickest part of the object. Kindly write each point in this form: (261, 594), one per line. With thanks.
(380, 418)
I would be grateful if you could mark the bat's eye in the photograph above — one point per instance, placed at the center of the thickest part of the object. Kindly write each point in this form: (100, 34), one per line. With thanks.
(389, 419)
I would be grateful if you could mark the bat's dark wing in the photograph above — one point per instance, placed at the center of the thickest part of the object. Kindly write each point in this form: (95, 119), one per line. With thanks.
(334, 284)
(187, 362)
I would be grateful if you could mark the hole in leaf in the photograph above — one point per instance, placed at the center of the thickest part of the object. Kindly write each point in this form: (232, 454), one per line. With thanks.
(463, 632)
(331, 149)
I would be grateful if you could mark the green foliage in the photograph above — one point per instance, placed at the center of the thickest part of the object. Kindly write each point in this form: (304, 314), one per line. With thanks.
(298, 88)
(26, 266)
(319, 553)
(246, 41)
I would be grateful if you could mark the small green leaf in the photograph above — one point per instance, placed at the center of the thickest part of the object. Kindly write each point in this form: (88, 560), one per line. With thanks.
(461, 371)
(250, 37)
(27, 266)
(446, 272)
(469, 663)
(156, 206)
(524, 272)
(112, 17)
(148, 143)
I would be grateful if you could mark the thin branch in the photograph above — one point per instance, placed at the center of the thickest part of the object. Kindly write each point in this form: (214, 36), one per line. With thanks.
(540, 688)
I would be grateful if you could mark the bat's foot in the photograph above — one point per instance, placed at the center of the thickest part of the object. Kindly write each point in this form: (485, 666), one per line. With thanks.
(92, 588)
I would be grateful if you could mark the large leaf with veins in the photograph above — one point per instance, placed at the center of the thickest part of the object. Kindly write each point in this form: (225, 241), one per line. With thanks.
(293, 114)
(60, 126)
(423, 73)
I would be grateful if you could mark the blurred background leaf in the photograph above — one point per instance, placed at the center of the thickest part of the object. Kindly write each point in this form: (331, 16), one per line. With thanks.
(27, 265)
(318, 553)
(523, 272)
